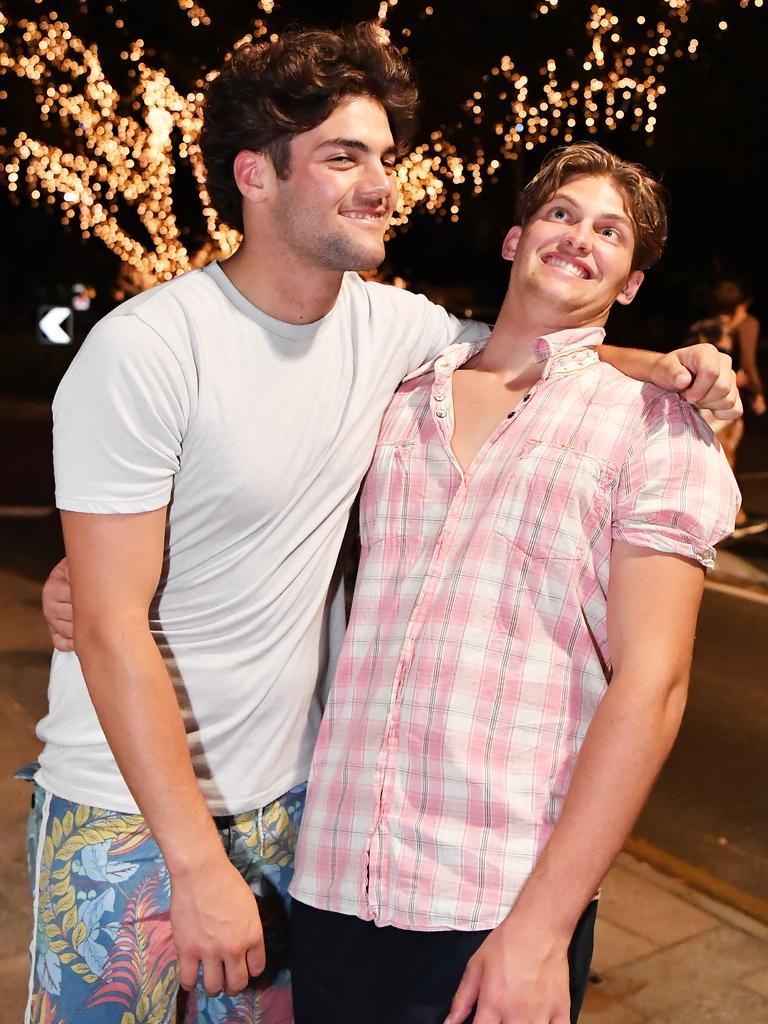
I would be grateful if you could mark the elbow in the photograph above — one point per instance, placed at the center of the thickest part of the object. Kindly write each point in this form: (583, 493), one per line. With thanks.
(670, 704)
(105, 636)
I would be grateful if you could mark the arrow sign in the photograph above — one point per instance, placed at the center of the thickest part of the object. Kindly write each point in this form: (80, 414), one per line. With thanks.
(54, 325)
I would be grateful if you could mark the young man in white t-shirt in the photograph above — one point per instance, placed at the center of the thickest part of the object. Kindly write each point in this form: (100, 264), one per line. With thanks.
(209, 441)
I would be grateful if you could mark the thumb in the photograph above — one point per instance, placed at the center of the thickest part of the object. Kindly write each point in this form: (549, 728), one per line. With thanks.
(672, 375)
(466, 996)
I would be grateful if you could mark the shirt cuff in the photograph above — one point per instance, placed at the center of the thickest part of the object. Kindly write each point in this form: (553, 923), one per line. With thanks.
(667, 540)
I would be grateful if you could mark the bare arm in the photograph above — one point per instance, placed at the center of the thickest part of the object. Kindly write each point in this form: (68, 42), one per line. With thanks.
(748, 334)
(520, 973)
(700, 373)
(114, 567)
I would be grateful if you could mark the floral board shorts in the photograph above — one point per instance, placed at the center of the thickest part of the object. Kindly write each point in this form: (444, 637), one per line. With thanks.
(102, 952)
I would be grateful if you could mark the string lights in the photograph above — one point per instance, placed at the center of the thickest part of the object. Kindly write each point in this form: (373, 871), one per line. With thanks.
(113, 179)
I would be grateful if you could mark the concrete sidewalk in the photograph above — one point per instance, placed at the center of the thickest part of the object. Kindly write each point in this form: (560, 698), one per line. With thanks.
(665, 954)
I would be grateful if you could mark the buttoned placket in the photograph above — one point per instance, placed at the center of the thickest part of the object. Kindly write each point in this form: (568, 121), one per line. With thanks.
(441, 408)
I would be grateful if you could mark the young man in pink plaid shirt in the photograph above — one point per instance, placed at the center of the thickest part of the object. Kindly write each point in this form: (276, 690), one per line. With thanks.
(534, 527)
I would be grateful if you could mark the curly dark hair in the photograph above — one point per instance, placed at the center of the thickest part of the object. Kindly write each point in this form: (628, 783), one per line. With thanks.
(645, 197)
(267, 93)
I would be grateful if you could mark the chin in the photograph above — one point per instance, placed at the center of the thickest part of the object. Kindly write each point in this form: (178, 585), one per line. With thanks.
(371, 261)
(340, 254)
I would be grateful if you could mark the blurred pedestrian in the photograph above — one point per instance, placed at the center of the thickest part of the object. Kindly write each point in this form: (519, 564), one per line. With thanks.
(733, 329)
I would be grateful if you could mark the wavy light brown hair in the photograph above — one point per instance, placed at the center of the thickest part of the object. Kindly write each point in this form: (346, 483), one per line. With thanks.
(645, 198)
(267, 93)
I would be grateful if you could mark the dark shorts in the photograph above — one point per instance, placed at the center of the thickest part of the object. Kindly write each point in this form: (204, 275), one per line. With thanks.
(348, 971)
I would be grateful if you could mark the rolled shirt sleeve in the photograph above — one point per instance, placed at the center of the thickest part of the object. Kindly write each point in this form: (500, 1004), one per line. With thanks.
(676, 492)
(119, 417)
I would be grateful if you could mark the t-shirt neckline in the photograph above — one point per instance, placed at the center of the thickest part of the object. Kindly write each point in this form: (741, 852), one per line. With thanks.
(293, 332)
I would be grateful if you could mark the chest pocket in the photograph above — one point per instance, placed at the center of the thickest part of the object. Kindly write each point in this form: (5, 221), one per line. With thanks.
(387, 493)
(556, 494)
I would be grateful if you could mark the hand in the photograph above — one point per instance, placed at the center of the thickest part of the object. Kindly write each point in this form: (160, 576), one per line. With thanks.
(703, 376)
(517, 976)
(57, 606)
(758, 405)
(215, 922)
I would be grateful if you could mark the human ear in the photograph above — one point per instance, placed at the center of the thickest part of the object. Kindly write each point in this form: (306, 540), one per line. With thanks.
(254, 174)
(629, 290)
(511, 242)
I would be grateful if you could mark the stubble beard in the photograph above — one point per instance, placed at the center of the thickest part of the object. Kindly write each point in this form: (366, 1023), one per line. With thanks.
(327, 250)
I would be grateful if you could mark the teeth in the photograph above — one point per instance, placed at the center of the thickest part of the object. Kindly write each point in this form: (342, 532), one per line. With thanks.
(569, 268)
(363, 216)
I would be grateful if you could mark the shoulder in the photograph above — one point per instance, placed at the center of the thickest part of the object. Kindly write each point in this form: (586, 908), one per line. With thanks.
(171, 304)
(158, 322)
(644, 403)
(389, 295)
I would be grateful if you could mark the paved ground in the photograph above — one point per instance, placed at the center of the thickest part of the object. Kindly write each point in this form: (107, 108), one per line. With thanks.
(665, 954)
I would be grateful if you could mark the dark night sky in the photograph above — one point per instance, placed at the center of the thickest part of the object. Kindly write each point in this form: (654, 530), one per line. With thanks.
(705, 146)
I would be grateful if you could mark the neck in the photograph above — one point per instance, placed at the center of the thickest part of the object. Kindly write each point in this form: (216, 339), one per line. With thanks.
(281, 286)
(511, 346)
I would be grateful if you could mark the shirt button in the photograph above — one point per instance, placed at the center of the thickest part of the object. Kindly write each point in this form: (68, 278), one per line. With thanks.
(441, 414)
(439, 396)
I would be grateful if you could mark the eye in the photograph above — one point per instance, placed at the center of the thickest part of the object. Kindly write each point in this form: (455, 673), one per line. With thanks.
(611, 233)
(558, 213)
(341, 158)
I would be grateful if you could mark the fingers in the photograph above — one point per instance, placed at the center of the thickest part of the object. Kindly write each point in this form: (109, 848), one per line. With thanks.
(730, 409)
(59, 616)
(724, 406)
(230, 976)
(57, 608)
(189, 969)
(61, 643)
(466, 995)
(711, 387)
(213, 976)
(236, 975)
(256, 960)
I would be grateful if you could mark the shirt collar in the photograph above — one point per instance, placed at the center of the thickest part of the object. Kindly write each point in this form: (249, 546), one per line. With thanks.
(564, 352)
(567, 351)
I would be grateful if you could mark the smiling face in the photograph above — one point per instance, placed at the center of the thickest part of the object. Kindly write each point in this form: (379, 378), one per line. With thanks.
(333, 209)
(575, 253)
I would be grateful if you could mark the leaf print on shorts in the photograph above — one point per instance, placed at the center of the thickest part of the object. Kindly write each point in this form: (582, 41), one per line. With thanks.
(140, 973)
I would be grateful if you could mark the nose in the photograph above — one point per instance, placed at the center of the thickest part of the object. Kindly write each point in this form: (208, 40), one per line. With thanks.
(377, 183)
(578, 237)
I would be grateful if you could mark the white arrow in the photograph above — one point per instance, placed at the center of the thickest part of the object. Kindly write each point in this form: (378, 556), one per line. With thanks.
(51, 323)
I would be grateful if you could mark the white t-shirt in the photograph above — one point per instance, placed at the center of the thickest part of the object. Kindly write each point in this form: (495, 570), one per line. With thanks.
(258, 434)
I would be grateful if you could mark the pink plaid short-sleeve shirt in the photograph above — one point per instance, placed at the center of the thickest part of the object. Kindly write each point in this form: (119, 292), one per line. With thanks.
(476, 652)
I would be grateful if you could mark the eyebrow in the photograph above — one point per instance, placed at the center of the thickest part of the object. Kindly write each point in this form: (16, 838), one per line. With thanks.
(355, 144)
(616, 218)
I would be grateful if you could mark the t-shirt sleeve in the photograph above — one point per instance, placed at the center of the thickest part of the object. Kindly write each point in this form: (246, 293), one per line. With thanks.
(676, 492)
(440, 329)
(419, 328)
(119, 417)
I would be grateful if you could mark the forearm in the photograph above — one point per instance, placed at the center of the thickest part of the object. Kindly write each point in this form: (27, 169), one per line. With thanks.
(632, 362)
(754, 381)
(137, 707)
(623, 751)
(748, 336)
